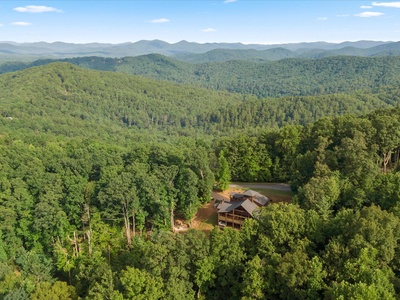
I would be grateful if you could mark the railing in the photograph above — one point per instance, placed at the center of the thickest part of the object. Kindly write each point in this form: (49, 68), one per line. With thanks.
(232, 219)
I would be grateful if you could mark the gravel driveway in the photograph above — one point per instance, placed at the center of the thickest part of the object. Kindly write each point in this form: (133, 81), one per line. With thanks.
(259, 185)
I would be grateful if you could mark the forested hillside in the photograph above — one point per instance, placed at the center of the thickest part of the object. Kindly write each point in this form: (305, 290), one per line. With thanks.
(65, 100)
(286, 77)
(96, 166)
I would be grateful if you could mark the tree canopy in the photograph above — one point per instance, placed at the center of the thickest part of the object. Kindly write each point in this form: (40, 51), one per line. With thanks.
(95, 168)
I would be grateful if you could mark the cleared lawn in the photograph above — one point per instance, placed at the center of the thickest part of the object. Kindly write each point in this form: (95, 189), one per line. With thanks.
(205, 218)
(277, 192)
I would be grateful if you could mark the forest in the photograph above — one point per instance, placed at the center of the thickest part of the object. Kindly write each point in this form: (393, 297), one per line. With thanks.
(285, 77)
(95, 167)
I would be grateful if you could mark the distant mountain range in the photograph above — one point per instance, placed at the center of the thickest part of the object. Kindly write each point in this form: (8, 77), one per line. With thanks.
(196, 52)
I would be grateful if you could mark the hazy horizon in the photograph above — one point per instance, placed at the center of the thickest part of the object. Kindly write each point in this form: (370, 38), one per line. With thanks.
(201, 43)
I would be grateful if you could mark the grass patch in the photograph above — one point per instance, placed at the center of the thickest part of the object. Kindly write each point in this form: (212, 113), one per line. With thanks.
(266, 192)
(206, 218)
(212, 220)
(275, 191)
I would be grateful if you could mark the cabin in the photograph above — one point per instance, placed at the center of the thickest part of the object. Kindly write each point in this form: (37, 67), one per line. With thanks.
(253, 196)
(233, 213)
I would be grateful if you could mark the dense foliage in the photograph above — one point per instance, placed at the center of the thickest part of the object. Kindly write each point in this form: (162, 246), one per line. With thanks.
(96, 166)
(286, 77)
(65, 100)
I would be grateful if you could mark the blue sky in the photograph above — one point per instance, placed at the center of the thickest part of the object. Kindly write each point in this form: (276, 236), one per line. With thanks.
(245, 21)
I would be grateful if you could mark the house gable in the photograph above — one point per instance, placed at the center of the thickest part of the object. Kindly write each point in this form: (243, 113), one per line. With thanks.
(233, 214)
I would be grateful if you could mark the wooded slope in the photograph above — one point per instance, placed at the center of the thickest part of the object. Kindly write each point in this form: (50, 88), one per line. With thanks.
(287, 77)
(68, 100)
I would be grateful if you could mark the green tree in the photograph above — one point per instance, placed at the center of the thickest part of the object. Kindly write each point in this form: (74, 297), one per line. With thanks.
(283, 225)
(253, 279)
(362, 278)
(321, 192)
(119, 199)
(139, 284)
(56, 291)
(387, 135)
(228, 255)
(223, 176)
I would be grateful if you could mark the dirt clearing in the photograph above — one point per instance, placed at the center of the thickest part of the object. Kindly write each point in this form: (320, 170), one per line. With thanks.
(206, 217)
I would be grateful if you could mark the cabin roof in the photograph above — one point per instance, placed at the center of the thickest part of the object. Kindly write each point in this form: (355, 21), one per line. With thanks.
(257, 197)
(262, 200)
(249, 206)
(229, 206)
(234, 194)
(251, 193)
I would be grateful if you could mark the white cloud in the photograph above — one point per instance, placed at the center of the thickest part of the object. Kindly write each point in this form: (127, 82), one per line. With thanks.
(20, 24)
(365, 6)
(230, 1)
(387, 4)
(322, 18)
(369, 14)
(1, 25)
(162, 20)
(34, 9)
(209, 30)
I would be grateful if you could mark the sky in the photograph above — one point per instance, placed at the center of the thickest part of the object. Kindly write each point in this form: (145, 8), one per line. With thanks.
(202, 21)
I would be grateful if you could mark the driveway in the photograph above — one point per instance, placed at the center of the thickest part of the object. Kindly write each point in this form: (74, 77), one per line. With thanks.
(260, 185)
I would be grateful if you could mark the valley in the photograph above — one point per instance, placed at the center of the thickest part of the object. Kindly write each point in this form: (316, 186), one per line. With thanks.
(106, 159)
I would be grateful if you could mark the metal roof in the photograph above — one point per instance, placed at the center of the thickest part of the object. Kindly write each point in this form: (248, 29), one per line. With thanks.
(229, 206)
(249, 206)
(250, 193)
(261, 200)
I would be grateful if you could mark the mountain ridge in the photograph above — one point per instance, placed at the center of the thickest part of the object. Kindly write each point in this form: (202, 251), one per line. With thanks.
(285, 77)
(66, 100)
(142, 47)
